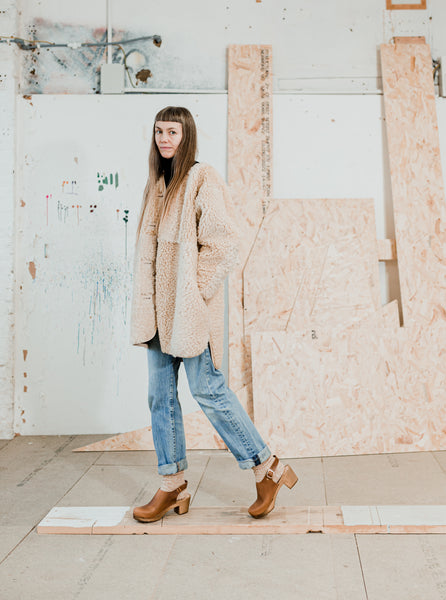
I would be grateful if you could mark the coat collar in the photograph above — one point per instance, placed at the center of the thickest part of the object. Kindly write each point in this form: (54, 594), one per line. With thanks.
(161, 184)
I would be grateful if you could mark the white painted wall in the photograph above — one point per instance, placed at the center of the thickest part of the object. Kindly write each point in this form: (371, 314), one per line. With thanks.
(72, 317)
(8, 87)
(323, 45)
(75, 256)
(73, 307)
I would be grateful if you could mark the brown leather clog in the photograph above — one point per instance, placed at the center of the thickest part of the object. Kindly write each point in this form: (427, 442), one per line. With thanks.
(267, 489)
(161, 503)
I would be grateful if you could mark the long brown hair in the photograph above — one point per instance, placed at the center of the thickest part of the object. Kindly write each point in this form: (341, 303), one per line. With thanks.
(182, 161)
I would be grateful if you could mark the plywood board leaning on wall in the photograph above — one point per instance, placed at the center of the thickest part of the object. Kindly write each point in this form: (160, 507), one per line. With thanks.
(419, 212)
(374, 387)
(250, 181)
(312, 261)
(347, 391)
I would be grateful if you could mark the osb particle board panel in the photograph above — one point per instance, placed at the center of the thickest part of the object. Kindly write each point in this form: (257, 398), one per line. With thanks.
(420, 218)
(312, 261)
(351, 391)
(118, 520)
(200, 435)
(249, 178)
(416, 178)
(387, 318)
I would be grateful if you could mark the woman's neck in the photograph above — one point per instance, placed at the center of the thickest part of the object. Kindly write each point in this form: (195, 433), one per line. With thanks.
(167, 169)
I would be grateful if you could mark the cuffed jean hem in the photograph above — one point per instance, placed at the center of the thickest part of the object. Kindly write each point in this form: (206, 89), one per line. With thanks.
(255, 460)
(172, 468)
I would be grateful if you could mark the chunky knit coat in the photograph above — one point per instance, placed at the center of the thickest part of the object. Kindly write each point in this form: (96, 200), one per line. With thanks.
(180, 266)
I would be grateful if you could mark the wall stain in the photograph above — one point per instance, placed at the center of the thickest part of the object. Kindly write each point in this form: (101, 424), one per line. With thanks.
(32, 269)
(143, 75)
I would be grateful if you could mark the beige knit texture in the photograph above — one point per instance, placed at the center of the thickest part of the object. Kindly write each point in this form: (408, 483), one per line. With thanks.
(171, 482)
(260, 470)
(180, 267)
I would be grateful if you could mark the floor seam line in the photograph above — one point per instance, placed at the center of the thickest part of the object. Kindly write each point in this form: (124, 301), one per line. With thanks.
(438, 463)
(158, 583)
(325, 483)
(360, 564)
(75, 483)
(33, 527)
(201, 479)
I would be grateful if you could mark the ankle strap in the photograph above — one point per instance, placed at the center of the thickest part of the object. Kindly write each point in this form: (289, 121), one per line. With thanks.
(270, 472)
(182, 487)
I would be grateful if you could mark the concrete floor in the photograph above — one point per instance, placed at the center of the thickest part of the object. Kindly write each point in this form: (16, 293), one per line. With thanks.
(37, 473)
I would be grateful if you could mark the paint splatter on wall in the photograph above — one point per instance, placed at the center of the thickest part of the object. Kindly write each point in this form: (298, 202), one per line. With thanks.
(73, 318)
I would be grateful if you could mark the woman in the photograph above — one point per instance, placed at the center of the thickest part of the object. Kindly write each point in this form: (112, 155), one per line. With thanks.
(186, 246)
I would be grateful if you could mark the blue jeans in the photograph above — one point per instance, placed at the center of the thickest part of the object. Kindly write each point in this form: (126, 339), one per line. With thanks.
(219, 403)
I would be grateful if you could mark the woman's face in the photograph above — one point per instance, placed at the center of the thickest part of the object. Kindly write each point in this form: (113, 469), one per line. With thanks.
(168, 136)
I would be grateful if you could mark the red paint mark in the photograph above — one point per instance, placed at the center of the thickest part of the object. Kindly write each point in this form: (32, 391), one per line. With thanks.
(25, 374)
(25, 354)
(25, 388)
(32, 269)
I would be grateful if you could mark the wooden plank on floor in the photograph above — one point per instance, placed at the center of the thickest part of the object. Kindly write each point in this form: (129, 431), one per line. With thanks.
(80, 519)
(224, 520)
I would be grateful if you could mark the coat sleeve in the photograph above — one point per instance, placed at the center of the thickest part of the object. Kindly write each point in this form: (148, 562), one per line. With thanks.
(217, 235)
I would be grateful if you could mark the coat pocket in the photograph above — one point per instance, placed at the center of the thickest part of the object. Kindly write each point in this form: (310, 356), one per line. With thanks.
(181, 308)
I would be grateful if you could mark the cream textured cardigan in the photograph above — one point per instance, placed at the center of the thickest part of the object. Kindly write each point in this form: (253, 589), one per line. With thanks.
(179, 270)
